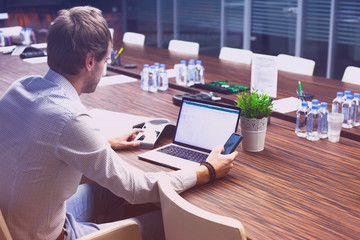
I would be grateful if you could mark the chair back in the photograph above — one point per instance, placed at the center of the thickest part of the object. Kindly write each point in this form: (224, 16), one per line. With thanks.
(134, 38)
(351, 75)
(295, 64)
(182, 220)
(4, 231)
(184, 46)
(235, 55)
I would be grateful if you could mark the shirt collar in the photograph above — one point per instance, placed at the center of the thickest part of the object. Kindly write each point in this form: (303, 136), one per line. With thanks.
(59, 80)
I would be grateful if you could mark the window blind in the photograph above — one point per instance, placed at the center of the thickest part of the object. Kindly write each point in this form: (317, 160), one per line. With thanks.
(274, 18)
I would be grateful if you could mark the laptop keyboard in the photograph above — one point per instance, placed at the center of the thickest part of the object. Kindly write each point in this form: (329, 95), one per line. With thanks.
(184, 153)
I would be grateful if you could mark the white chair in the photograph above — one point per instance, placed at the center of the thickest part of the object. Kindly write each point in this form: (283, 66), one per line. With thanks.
(184, 46)
(295, 64)
(351, 75)
(134, 38)
(235, 55)
(4, 231)
(182, 220)
(127, 229)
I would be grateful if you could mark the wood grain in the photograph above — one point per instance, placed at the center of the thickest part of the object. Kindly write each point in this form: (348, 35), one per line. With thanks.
(294, 189)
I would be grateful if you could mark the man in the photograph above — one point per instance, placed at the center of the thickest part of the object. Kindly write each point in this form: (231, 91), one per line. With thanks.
(48, 141)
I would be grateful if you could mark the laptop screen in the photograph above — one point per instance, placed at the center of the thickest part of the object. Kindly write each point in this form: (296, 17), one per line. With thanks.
(205, 125)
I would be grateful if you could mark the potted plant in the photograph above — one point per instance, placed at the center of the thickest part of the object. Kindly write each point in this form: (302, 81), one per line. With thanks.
(256, 108)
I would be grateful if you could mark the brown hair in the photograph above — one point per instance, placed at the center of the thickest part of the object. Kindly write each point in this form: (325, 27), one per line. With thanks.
(73, 34)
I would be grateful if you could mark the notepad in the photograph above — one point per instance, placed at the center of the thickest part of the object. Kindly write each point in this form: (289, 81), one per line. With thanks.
(286, 105)
(117, 79)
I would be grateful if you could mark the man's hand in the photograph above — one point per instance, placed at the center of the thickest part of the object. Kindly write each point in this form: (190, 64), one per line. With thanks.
(125, 141)
(221, 163)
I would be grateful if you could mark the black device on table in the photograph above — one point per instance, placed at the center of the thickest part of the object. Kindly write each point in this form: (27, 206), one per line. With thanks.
(209, 96)
(31, 52)
(221, 87)
(232, 143)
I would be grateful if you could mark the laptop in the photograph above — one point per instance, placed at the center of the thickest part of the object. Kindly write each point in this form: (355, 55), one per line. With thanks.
(201, 126)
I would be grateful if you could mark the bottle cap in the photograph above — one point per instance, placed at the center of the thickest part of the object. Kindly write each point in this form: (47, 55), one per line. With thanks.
(192, 60)
(304, 104)
(183, 62)
(152, 67)
(324, 104)
(156, 64)
(315, 102)
(349, 96)
(191, 63)
(146, 65)
(357, 95)
(198, 62)
(315, 107)
(347, 92)
(162, 65)
(339, 94)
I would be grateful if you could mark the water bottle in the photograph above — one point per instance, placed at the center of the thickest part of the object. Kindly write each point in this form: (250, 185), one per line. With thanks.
(346, 92)
(301, 117)
(163, 79)
(22, 36)
(153, 79)
(324, 123)
(356, 102)
(2, 39)
(190, 76)
(337, 103)
(181, 70)
(27, 36)
(347, 109)
(157, 69)
(199, 78)
(145, 78)
(313, 124)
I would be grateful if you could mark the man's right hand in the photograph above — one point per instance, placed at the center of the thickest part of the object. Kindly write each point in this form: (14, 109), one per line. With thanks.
(221, 163)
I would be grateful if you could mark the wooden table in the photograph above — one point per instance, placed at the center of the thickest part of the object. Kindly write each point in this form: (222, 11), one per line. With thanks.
(294, 189)
(215, 69)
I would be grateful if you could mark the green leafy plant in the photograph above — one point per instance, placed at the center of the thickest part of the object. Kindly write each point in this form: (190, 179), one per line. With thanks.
(254, 104)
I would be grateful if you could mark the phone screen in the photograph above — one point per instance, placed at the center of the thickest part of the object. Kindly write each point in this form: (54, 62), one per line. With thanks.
(232, 143)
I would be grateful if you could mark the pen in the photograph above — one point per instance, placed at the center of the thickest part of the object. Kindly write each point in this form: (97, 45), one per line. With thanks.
(300, 89)
(117, 55)
(300, 95)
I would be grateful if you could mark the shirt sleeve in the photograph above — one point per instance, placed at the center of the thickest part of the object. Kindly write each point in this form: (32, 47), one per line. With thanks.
(82, 146)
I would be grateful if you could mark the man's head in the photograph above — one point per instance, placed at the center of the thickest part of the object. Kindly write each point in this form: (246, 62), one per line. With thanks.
(75, 34)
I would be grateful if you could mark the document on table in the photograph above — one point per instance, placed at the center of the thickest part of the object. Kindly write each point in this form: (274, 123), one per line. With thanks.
(116, 79)
(36, 60)
(286, 105)
(113, 124)
(171, 73)
(264, 74)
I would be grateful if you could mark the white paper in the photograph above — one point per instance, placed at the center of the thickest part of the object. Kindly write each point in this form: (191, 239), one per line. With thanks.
(39, 45)
(36, 60)
(171, 73)
(286, 105)
(113, 124)
(7, 48)
(116, 79)
(264, 74)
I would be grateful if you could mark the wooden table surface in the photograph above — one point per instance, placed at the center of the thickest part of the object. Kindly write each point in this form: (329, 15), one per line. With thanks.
(294, 189)
(324, 89)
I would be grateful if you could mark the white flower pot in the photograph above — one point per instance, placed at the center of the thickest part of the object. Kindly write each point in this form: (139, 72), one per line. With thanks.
(254, 132)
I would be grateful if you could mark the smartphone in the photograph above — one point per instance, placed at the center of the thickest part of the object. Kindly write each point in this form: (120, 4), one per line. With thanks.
(232, 143)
